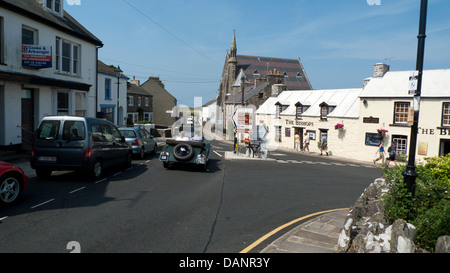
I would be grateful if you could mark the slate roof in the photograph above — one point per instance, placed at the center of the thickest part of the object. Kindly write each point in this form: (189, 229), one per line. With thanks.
(106, 69)
(33, 10)
(136, 90)
(295, 75)
(347, 102)
(249, 92)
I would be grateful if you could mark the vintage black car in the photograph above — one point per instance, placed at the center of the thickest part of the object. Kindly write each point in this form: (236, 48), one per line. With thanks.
(185, 152)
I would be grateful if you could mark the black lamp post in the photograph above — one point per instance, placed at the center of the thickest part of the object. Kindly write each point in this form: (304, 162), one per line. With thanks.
(118, 73)
(410, 173)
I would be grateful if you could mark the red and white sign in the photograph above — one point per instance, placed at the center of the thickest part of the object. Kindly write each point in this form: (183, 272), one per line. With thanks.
(36, 56)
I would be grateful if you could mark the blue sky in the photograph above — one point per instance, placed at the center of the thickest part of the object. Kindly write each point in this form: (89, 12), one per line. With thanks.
(184, 42)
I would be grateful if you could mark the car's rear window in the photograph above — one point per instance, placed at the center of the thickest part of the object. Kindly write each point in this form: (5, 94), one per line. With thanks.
(74, 130)
(49, 129)
(128, 133)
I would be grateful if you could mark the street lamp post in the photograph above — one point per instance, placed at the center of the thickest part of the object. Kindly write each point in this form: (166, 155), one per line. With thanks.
(410, 173)
(118, 73)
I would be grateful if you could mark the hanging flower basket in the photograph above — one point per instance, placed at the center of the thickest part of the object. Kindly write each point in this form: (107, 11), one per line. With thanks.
(339, 126)
(382, 132)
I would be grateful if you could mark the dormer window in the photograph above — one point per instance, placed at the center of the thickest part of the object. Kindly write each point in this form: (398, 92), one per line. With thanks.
(279, 109)
(300, 109)
(325, 109)
(54, 5)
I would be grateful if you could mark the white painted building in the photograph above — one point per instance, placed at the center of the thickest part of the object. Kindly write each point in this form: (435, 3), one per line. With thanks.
(58, 78)
(382, 104)
(112, 97)
(314, 112)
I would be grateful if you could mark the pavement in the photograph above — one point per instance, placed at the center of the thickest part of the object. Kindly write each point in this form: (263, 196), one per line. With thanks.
(315, 234)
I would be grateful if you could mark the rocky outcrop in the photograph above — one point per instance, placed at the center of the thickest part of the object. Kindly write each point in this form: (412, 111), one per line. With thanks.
(366, 227)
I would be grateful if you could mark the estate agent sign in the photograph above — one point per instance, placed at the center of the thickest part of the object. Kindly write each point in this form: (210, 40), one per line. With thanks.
(36, 56)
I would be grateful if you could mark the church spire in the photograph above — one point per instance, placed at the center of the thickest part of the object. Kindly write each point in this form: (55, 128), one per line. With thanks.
(233, 50)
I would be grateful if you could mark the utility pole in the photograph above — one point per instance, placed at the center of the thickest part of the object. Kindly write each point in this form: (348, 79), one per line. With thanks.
(410, 173)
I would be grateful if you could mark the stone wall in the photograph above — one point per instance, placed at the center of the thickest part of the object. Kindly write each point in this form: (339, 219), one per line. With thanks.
(366, 228)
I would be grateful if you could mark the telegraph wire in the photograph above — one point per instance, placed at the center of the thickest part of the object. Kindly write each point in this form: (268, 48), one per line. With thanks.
(155, 68)
(166, 30)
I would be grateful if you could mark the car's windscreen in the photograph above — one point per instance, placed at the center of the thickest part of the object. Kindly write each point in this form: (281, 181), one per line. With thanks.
(128, 133)
(49, 129)
(74, 130)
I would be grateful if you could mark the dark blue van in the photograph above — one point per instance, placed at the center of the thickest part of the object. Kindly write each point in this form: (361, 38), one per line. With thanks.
(78, 143)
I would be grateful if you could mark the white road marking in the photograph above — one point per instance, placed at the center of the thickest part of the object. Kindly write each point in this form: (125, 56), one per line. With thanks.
(43, 203)
(100, 181)
(217, 153)
(82, 188)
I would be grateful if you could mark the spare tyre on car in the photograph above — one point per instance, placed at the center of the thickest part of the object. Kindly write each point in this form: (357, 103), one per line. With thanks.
(183, 151)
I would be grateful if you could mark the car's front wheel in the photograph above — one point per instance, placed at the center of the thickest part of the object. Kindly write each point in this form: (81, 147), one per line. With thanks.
(10, 188)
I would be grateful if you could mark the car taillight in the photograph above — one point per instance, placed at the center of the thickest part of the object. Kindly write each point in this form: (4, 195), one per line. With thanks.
(135, 142)
(33, 152)
(87, 153)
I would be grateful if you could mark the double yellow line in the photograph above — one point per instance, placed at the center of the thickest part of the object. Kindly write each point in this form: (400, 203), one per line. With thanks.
(262, 239)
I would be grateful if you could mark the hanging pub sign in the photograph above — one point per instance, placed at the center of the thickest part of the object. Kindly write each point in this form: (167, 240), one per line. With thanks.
(36, 56)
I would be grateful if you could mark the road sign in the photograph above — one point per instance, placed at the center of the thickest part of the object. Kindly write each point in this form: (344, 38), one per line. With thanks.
(412, 85)
(243, 119)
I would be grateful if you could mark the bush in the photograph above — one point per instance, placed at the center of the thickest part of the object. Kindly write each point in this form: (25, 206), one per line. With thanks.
(429, 209)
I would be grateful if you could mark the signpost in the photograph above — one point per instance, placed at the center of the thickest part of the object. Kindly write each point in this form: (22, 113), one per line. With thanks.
(410, 173)
(36, 56)
(243, 119)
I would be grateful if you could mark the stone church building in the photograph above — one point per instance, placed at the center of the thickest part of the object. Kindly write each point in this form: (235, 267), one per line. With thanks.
(253, 79)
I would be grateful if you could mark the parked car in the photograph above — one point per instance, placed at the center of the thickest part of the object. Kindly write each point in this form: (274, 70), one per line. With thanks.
(185, 152)
(78, 143)
(13, 182)
(142, 142)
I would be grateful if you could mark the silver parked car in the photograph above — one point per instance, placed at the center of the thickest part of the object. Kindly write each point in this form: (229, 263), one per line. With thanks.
(141, 141)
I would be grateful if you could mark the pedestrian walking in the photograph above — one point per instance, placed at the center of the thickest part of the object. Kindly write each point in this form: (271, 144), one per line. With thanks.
(392, 151)
(323, 144)
(380, 152)
(306, 143)
(297, 142)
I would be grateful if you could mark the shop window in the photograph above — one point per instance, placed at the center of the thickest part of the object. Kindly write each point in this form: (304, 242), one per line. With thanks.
(109, 112)
(63, 104)
(401, 142)
(80, 104)
(278, 133)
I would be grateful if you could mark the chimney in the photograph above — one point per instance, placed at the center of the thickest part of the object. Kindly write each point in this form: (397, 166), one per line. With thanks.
(277, 89)
(157, 80)
(135, 82)
(380, 69)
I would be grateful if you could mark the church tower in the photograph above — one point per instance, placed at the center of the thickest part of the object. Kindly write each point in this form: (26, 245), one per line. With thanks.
(228, 74)
(232, 65)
